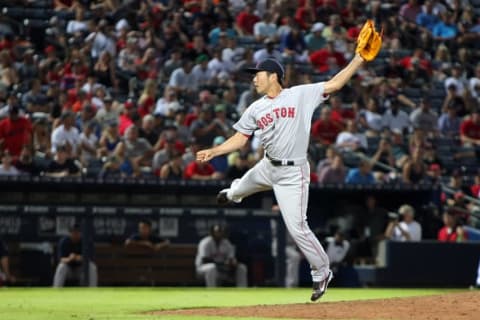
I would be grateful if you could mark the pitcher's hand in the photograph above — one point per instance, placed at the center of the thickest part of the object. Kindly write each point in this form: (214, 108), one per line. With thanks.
(205, 155)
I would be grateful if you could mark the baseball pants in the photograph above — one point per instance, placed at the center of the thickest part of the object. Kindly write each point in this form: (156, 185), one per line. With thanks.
(212, 276)
(64, 272)
(290, 185)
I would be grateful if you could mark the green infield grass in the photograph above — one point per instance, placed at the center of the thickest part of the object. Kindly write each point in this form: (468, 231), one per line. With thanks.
(133, 303)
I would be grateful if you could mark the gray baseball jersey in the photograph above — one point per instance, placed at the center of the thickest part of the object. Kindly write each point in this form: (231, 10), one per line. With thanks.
(283, 122)
(284, 128)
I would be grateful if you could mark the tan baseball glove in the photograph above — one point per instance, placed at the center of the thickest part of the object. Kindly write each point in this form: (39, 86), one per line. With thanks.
(369, 41)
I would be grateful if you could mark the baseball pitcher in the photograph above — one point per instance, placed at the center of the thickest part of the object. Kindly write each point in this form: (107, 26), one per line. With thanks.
(283, 118)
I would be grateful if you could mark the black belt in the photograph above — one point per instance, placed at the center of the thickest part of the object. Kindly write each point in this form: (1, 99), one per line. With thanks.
(278, 163)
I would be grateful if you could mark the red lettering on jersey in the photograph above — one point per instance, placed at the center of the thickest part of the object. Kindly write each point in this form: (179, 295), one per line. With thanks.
(276, 110)
(269, 118)
(291, 112)
(283, 112)
(264, 121)
(260, 125)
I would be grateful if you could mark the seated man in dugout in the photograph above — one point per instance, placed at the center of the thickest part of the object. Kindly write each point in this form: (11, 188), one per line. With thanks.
(71, 262)
(145, 238)
(216, 262)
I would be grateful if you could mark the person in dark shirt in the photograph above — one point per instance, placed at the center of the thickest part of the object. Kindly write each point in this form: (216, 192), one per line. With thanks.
(145, 238)
(62, 165)
(5, 275)
(239, 168)
(70, 260)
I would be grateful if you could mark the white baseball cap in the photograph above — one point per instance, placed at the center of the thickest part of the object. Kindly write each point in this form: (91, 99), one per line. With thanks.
(317, 27)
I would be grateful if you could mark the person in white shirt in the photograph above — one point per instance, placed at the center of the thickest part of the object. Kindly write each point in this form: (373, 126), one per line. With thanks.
(337, 248)
(265, 28)
(182, 79)
(406, 230)
(77, 25)
(202, 73)
(474, 84)
(215, 260)
(66, 134)
(395, 118)
(6, 168)
(268, 52)
(351, 139)
(457, 80)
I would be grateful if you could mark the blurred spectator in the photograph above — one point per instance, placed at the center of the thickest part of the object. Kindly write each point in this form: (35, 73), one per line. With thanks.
(144, 238)
(395, 118)
(147, 130)
(406, 230)
(351, 139)
(474, 84)
(112, 168)
(325, 129)
(127, 117)
(423, 117)
(246, 20)
(216, 261)
(240, 166)
(146, 102)
(182, 80)
(410, 11)
(171, 147)
(456, 80)
(197, 170)
(5, 274)
(265, 28)
(109, 138)
(445, 29)
(452, 231)
(174, 168)
(383, 156)
(220, 164)
(470, 129)
(371, 119)
(88, 144)
(108, 113)
(62, 164)
(71, 260)
(361, 175)
(269, 51)
(15, 132)
(222, 28)
(426, 18)
(333, 173)
(206, 128)
(327, 59)
(66, 135)
(293, 46)
(315, 40)
(475, 187)
(34, 100)
(449, 122)
(7, 168)
(414, 170)
(25, 163)
(104, 70)
(136, 152)
(168, 103)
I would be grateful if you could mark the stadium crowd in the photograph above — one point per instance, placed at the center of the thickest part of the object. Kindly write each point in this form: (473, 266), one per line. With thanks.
(120, 88)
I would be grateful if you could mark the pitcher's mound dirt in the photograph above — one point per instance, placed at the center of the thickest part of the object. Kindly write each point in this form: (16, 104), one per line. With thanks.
(453, 306)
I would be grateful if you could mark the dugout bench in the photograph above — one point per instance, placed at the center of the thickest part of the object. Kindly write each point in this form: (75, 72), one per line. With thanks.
(118, 265)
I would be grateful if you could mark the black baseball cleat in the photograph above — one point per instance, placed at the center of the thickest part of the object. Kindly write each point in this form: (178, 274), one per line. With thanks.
(320, 287)
(222, 198)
